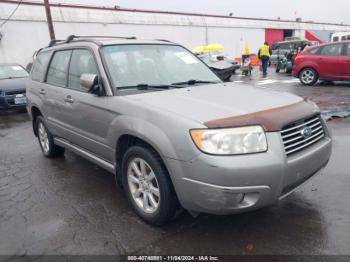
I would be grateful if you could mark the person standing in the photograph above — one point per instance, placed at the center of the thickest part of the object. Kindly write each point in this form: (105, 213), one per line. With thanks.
(264, 55)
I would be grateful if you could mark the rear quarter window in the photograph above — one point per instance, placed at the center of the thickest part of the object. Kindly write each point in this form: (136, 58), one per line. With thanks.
(313, 51)
(40, 65)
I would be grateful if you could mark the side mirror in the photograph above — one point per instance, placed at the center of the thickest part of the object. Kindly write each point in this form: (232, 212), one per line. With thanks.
(89, 82)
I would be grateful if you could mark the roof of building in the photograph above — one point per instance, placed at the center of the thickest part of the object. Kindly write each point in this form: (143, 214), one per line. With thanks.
(116, 8)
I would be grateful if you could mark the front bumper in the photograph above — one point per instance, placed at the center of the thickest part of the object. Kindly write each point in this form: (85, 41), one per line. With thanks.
(235, 184)
(7, 102)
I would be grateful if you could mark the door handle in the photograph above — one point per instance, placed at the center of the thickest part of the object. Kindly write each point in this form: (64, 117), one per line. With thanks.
(42, 92)
(69, 99)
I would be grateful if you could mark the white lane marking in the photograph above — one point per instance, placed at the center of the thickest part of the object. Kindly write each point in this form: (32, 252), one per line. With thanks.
(290, 81)
(266, 82)
(238, 81)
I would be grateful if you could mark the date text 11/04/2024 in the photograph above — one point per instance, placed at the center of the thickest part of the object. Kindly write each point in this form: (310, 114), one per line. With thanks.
(173, 258)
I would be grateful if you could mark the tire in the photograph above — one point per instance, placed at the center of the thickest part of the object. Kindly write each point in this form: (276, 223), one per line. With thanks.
(308, 76)
(142, 192)
(46, 141)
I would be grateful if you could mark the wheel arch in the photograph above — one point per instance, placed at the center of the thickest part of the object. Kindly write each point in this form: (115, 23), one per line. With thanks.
(128, 140)
(35, 112)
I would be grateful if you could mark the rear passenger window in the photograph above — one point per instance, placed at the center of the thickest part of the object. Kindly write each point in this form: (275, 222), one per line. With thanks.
(58, 69)
(82, 62)
(332, 50)
(40, 65)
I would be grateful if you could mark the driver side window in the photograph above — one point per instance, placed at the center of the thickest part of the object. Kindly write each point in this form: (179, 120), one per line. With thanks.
(82, 62)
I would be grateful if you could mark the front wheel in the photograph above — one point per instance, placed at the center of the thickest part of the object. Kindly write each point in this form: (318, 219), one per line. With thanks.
(308, 76)
(148, 186)
(46, 141)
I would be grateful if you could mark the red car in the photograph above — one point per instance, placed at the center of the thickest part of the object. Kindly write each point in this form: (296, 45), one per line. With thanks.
(325, 62)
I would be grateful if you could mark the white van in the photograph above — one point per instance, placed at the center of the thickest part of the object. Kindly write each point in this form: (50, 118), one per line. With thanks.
(341, 36)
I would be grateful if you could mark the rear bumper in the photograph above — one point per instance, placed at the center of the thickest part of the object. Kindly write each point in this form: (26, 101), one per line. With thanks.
(236, 184)
(295, 73)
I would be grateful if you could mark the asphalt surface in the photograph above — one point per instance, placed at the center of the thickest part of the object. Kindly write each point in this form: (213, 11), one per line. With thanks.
(70, 206)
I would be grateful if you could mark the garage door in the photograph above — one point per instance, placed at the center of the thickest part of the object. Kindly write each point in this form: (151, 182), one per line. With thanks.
(274, 35)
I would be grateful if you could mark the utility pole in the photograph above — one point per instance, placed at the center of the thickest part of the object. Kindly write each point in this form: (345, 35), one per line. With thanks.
(49, 20)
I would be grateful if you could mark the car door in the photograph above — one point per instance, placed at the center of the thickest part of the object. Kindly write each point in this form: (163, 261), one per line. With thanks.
(345, 69)
(52, 91)
(85, 114)
(329, 61)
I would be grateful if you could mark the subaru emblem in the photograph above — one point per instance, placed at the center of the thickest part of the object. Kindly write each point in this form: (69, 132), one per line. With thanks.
(306, 132)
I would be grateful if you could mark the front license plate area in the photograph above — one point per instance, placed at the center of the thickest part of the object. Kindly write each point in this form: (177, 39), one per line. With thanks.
(20, 100)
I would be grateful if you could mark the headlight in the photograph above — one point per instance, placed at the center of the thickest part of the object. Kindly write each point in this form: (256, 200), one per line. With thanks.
(232, 141)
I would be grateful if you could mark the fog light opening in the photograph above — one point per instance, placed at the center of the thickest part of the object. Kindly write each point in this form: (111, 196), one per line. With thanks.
(240, 198)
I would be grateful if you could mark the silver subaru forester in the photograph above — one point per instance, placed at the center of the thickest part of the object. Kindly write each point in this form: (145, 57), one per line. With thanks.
(171, 132)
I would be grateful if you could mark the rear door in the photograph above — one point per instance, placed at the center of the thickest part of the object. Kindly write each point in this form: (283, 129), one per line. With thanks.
(330, 61)
(56, 82)
(85, 114)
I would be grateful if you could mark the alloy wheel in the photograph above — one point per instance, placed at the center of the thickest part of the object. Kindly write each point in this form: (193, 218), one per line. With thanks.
(308, 76)
(143, 185)
(43, 138)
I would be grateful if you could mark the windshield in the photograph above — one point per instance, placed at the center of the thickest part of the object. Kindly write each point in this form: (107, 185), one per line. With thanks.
(12, 71)
(131, 65)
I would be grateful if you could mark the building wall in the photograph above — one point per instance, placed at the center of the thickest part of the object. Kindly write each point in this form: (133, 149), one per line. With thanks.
(27, 30)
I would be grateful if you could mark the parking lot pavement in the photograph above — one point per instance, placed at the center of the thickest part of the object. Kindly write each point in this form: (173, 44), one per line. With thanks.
(333, 97)
(70, 206)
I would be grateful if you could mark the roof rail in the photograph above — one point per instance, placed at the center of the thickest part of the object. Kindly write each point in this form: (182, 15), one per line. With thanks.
(70, 38)
(164, 40)
(54, 42)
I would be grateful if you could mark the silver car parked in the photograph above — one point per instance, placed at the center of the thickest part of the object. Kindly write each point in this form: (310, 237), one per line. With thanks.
(173, 134)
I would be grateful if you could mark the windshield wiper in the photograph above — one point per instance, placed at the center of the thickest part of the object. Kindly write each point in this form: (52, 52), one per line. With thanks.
(193, 82)
(147, 86)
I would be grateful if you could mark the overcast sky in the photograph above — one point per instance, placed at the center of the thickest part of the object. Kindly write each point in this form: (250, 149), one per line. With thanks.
(334, 11)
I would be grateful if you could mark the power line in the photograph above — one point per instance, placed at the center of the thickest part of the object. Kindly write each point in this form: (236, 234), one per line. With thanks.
(13, 12)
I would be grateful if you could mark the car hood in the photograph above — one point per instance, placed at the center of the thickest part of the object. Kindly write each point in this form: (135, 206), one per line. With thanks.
(204, 103)
(13, 84)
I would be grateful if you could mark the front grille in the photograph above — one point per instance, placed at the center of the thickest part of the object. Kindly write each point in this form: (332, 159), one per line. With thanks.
(296, 138)
(15, 92)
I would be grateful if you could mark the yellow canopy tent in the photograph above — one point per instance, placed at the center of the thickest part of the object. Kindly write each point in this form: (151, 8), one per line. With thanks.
(208, 48)
(215, 47)
(199, 49)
